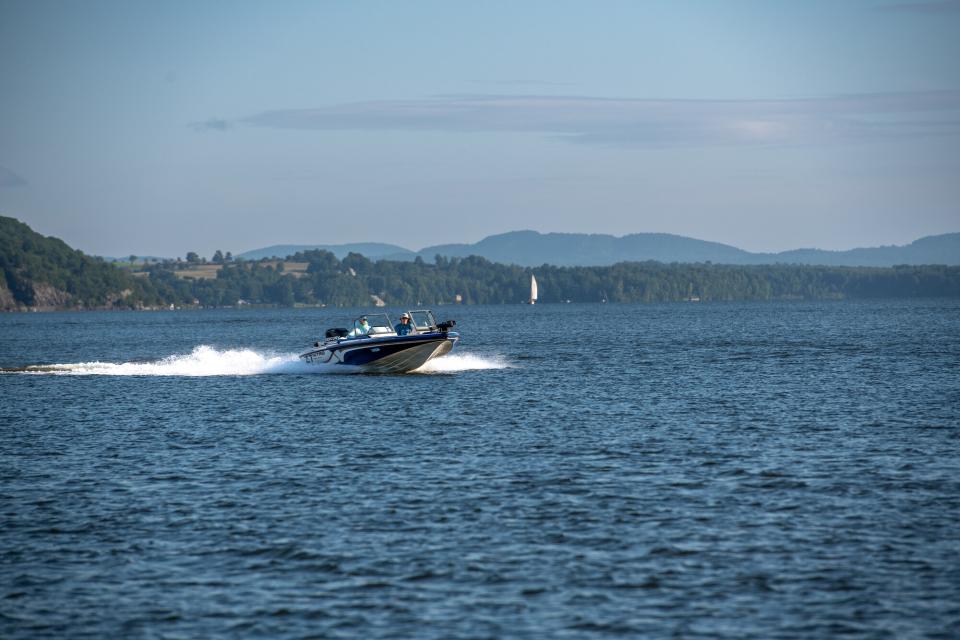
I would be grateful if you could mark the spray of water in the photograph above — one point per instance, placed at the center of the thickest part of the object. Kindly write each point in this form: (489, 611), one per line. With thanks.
(208, 361)
(454, 362)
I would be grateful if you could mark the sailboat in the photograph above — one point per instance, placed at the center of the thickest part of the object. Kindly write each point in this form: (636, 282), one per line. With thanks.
(533, 289)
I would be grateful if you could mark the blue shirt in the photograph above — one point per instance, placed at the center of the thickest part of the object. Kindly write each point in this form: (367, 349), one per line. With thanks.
(403, 329)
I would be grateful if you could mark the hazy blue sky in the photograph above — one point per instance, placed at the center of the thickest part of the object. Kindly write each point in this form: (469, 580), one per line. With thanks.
(158, 128)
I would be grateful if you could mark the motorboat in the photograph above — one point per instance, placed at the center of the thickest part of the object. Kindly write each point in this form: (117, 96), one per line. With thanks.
(374, 346)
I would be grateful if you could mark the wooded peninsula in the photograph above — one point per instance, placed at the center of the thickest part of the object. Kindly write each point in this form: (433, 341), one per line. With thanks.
(44, 273)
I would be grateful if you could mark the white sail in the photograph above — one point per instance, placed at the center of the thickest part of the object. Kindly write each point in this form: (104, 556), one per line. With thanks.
(533, 289)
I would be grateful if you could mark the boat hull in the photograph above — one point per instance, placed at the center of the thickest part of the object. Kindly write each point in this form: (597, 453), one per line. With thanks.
(383, 355)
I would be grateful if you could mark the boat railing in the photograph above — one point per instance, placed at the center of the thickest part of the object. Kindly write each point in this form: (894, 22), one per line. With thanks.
(423, 321)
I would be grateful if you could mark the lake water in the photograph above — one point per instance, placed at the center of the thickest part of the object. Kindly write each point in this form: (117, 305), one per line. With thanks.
(761, 470)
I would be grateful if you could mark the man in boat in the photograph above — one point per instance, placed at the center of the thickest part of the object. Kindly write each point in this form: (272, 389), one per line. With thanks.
(404, 326)
(360, 328)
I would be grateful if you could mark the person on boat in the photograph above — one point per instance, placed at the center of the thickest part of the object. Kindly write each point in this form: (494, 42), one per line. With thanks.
(404, 326)
(361, 328)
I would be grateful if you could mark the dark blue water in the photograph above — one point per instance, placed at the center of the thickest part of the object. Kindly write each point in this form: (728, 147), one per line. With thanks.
(781, 470)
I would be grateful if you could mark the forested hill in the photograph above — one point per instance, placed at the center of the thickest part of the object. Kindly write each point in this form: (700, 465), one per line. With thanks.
(37, 272)
(44, 273)
(372, 250)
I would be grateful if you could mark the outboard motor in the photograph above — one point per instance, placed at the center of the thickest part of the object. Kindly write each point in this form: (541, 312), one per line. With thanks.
(446, 325)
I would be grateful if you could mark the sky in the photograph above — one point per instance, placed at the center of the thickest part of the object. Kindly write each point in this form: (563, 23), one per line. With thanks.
(158, 128)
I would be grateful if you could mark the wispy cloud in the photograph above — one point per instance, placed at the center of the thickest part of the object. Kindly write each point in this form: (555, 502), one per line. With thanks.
(932, 7)
(646, 122)
(525, 83)
(9, 179)
(213, 124)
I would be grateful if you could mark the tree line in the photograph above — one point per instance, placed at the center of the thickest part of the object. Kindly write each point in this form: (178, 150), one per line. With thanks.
(355, 280)
(41, 272)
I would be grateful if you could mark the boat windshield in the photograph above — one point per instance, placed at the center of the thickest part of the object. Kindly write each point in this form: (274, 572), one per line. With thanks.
(423, 320)
(379, 323)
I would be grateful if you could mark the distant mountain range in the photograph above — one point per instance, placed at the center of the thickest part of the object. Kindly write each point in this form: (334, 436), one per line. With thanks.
(530, 249)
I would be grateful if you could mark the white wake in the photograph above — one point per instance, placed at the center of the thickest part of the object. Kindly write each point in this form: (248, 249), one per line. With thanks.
(454, 362)
(208, 361)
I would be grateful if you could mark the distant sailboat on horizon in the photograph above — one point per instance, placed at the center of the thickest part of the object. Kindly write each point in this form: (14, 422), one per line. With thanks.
(533, 289)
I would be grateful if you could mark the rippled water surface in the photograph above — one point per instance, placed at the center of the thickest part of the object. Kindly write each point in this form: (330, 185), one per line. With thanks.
(782, 470)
